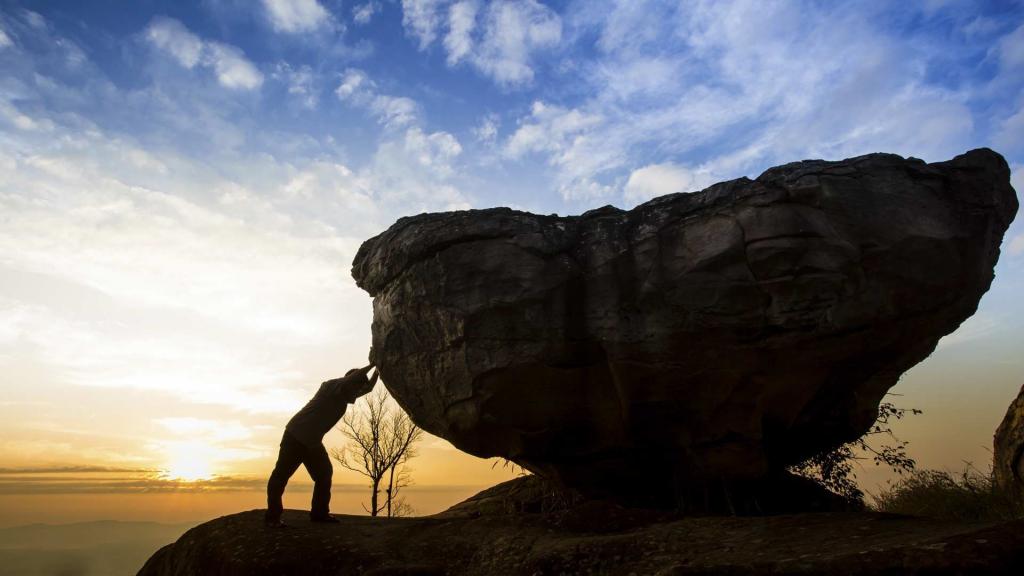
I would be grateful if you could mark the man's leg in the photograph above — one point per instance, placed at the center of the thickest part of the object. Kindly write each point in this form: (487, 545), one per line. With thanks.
(318, 464)
(288, 460)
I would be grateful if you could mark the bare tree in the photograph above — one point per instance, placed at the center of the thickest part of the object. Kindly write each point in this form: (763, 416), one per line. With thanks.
(398, 477)
(381, 439)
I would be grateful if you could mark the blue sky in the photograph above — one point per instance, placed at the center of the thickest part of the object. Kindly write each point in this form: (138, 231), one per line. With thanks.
(183, 185)
(568, 101)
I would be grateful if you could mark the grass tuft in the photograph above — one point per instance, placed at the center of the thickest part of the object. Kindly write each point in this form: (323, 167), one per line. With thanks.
(971, 495)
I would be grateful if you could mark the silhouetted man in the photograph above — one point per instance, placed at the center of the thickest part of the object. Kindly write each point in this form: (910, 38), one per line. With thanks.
(302, 443)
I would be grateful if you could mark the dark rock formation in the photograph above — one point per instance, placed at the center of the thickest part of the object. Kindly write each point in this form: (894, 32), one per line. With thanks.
(696, 344)
(1008, 450)
(490, 536)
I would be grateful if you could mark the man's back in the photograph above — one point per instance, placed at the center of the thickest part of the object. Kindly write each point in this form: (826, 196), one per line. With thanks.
(321, 413)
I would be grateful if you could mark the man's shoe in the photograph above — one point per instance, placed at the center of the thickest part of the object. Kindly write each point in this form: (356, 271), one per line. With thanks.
(325, 519)
(272, 522)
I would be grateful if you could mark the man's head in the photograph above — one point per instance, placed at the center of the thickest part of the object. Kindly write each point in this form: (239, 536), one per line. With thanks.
(360, 383)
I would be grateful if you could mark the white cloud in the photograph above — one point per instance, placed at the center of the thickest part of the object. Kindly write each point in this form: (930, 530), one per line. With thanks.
(1017, 245)
(363, 13)
(172, 37)
(192, 289)
(512, 32)
(487, 130)
(461, 21)
(206, 429)
(414, 166)
(195, 367)
(659, 179)
(296, 16)
(746, 93)
(422, 18)
(502, 47)
(1011, 49)
(417, 170)
(360, 90)
(1010, 135)
(394, 110)
(228, 63)
(300, 83)
(353, 83)
(117, 259)
(35, 19)
(434, 151)
(232, 68)
(549, 129)
(5, 40)
(10, 113)
(642, 76)
(567, 139)
(980, 25)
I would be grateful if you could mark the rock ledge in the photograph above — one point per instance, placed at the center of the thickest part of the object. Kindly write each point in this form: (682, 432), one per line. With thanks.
(592, 538)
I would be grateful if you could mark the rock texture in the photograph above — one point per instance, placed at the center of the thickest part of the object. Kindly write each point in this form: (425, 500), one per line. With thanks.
(1008, 450)
(490, 535)
(696, 342)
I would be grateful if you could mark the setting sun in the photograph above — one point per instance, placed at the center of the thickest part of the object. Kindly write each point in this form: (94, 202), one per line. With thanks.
(189, 471)
(189, 462)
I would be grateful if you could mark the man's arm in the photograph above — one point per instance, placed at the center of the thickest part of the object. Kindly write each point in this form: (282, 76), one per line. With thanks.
(365, 385)
(354, 383)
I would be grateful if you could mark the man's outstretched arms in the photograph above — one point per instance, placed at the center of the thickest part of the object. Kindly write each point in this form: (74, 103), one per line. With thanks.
(355, 382)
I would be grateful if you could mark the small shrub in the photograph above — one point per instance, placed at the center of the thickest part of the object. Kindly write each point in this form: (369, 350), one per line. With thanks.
(971, 495)
(834, 469)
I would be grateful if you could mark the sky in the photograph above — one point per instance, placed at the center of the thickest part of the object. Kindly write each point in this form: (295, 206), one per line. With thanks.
(183, 186)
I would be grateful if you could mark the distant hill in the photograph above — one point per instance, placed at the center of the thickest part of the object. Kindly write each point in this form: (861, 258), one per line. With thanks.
(101, 548)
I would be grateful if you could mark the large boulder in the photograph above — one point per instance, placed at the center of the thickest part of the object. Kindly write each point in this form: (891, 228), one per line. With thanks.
(698, 340)
(1008, 450)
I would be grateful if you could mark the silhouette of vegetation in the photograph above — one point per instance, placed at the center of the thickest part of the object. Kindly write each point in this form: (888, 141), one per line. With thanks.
(507, 464)
(381, 441)
(835, 469)
(971, 495)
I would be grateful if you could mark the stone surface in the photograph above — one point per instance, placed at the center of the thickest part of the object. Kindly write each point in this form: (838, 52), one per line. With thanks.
(1008, 450)
(696, 343)
(491, 535)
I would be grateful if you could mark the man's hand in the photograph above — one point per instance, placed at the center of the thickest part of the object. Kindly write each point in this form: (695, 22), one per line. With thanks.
(370, 383)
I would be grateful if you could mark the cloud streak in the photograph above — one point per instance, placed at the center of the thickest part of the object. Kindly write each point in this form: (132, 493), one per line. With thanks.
(363, 13)
(80, 469)
(501, 39)
(296, 16)
(232, 69)
(358, 89)
(728, 89)
(62, 480)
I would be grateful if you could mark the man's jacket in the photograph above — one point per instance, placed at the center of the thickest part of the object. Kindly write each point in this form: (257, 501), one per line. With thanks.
(321, 413)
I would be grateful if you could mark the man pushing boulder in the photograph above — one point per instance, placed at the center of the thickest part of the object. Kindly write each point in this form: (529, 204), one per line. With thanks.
(302, 443)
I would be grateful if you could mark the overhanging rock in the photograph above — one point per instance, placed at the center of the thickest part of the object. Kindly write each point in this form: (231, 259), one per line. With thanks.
(705, 337)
